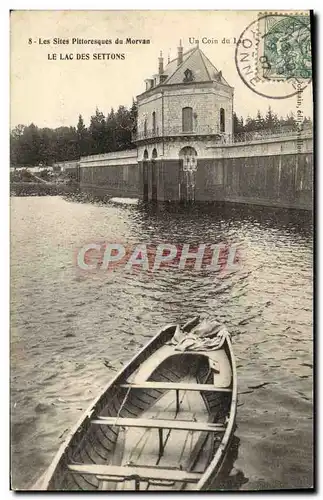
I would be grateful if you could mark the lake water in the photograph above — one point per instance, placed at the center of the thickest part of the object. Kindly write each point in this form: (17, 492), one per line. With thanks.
(65, 323)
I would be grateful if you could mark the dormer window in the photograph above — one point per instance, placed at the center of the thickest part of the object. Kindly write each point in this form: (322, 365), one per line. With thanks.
(149, 83)
(188, 75)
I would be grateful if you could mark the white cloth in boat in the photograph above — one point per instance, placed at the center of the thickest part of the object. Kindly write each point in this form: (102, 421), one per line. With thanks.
(207, 336)
(218, 360)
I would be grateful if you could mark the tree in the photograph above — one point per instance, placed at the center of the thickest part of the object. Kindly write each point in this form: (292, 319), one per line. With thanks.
(250, 124)
(289, 121)
(238, 126)
(259, 122)
(97, 132)
(124, 127)
(18, 131)
(15, 144)
(111, 125)
(66, 146)
(271, 120)
(29, 146)
(307, 122)
(83, 145)
(80, 126)
(47, 146)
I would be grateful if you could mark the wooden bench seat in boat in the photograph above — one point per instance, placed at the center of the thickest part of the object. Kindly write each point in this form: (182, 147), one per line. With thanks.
(133, 472)
(152, 423)
(179, 386)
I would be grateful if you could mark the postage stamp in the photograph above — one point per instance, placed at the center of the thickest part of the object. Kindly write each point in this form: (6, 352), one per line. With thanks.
(284, 47)
(273, 54)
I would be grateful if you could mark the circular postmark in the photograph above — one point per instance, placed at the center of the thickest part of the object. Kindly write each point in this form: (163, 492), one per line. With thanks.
(273, 55)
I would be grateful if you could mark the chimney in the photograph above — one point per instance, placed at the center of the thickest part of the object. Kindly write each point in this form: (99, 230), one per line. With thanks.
(161, 64)
(180, 54)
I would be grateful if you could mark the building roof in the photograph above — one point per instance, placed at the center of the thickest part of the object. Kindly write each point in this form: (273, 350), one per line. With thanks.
(201, 68)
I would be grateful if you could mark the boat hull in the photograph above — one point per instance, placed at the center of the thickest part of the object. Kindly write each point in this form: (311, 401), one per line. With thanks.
(127, 397)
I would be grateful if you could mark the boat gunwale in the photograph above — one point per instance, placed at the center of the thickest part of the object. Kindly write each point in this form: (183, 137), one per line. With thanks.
(49, 473)
(217, 461)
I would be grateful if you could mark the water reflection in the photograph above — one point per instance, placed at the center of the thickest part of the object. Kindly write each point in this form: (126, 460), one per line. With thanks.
(230, 478)
(66, 324)
(298, 221)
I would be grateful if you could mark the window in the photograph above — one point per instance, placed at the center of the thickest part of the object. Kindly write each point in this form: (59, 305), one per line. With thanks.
(222, 120)
(154, 122)
(187, 119)
(188, 157)
(188, 75)
(145, 127)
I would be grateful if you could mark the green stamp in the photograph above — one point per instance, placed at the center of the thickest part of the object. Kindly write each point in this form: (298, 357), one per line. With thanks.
(284, 50)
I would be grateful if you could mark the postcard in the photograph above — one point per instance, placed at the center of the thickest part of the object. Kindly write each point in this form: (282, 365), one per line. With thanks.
(161, 181)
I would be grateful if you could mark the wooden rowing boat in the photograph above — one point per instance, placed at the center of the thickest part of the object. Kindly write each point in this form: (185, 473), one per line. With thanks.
(164, 422)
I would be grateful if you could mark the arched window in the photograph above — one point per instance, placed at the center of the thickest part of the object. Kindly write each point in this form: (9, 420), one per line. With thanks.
(187, 119)
(188, 155)
(145, 127)
(222, 120)
(154, 122)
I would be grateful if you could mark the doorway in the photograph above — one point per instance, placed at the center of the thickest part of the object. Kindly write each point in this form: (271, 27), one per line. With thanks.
(145, 176)
(187, 172)
(154, 176)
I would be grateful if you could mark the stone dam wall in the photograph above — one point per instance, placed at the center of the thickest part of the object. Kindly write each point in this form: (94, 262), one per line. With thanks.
(272, 172)
(113, 174)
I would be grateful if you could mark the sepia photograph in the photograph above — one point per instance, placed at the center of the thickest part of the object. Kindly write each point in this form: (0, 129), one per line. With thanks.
(161, 250)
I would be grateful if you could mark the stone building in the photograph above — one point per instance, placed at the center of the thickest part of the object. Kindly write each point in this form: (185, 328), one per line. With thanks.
(186, 150)
(185, 109)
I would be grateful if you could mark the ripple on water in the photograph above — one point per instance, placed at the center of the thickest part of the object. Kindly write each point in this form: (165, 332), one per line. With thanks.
(71, 332)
